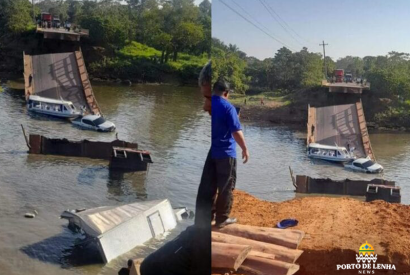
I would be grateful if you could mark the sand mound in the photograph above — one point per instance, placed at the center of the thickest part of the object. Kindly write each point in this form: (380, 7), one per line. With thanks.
(335, 228)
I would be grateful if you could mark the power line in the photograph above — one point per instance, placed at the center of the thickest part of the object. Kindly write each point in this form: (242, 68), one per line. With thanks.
(247, 20)
(255, 19)
(283, 27)
(270, 7)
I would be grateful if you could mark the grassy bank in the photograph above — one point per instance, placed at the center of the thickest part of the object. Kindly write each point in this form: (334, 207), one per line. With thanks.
(135, 62)
(140, 63)
(255, 99)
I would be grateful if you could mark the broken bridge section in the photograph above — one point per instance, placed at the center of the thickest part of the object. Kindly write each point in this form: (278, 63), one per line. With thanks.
(340, 125)
(61, 76)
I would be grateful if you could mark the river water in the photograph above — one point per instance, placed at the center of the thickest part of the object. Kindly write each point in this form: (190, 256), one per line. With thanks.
(274, 149)
(166, 120)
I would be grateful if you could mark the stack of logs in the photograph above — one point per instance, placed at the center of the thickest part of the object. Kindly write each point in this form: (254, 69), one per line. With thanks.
(252, 250)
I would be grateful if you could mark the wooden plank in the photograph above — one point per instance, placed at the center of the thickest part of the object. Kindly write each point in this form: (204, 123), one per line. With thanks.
(287, 238)
(281, 253)
(229, 256)
(266, 266)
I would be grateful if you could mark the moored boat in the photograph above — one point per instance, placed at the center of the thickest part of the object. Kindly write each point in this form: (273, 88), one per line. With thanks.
(52, 107)
(329, 153)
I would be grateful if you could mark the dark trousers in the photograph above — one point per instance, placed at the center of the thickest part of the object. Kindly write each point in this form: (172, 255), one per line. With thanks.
(215, 191)
(187, 254)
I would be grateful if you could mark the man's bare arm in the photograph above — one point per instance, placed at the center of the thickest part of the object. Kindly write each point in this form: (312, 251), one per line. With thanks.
(240, 139)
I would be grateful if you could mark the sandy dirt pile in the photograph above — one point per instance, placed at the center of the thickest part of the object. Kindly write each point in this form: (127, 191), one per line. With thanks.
(335, 228)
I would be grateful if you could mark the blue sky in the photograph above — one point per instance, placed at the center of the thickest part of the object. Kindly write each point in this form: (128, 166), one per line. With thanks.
(350, 27)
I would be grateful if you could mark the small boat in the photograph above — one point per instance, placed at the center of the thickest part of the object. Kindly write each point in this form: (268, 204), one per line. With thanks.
(52, 107)
(329, 153)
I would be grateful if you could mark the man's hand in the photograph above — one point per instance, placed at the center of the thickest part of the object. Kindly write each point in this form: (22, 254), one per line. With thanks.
(240, 139)
(245, 155)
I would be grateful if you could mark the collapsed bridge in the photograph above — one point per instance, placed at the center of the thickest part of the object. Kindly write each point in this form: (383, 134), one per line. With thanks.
(61, 76)
(340, 125)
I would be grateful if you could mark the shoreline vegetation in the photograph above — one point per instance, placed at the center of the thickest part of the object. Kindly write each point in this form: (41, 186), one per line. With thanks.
(292, 110)
(130, 41)
(289, 81)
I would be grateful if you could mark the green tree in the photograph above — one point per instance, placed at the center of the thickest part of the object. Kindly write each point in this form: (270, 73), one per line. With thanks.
(186, 35)
(230, 66)
(16, 16)
(351, 64)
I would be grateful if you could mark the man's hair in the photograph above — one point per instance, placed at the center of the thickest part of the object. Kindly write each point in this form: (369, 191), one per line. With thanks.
(220, 86)
(129, 263)
(205, 77)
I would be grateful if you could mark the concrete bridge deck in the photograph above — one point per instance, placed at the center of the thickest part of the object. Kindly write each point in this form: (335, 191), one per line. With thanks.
(62, 34)
(346, 87)
(60, 76)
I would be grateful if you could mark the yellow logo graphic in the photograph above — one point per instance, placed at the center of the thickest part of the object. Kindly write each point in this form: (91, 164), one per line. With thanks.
(366, 249)
(366, 253)
(366, 261)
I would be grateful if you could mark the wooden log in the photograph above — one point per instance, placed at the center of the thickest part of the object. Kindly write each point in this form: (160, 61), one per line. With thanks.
(266, 266)
(284, 237)
(229, 256)
(259, 254)
(281, 253)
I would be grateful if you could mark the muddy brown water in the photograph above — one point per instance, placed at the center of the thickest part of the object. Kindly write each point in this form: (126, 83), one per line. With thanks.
(166, 120)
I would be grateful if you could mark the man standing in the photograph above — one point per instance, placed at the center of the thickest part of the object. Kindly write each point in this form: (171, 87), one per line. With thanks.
(226, 133)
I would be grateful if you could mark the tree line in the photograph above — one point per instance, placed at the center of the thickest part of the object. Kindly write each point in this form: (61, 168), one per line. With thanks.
(171, 26)
(286, 70)
(389, 75)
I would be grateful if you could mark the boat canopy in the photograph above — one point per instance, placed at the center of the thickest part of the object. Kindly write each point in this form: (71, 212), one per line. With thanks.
(48, 100)
(326, 147)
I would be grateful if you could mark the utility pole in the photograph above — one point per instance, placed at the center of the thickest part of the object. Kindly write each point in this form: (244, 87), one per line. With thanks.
(324, 56)
(32, 7)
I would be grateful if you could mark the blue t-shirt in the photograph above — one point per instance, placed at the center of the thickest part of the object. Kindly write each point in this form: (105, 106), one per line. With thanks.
(225, 121)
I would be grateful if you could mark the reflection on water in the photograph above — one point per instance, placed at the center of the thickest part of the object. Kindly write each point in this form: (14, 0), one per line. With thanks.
(273, 149)
(166, 120)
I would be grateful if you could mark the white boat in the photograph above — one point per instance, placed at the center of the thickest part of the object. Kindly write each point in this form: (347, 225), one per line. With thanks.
(52, 107)
(329, 153)
(118, 229)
